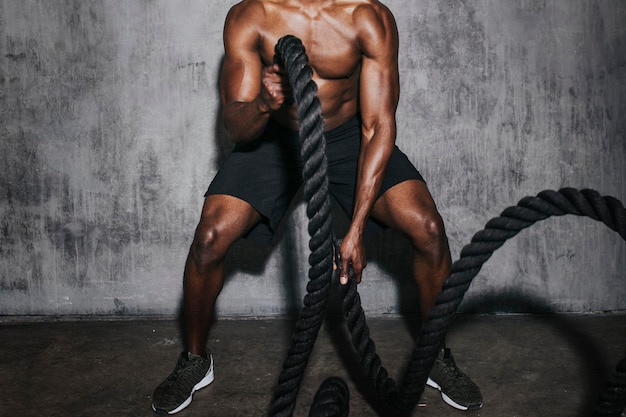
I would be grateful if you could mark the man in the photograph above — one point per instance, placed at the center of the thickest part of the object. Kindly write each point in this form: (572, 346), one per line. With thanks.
(352, 47)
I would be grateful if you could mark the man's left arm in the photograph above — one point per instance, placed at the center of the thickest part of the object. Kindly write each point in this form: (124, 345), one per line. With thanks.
(379, 94)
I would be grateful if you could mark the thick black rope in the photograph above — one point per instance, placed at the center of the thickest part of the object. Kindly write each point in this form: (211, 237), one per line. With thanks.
(612, 400)
(331, 400)
(290, 52)
(512, 220)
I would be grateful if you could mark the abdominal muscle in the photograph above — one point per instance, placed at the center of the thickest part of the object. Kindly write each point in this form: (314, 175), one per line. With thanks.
(338, 99)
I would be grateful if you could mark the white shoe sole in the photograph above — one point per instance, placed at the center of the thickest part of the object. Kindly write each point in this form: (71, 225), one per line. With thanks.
(208, 378)
(447, 399)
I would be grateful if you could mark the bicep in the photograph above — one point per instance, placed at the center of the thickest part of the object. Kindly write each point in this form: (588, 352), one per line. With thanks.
(240, 79)
(379, 92)
(379, 83)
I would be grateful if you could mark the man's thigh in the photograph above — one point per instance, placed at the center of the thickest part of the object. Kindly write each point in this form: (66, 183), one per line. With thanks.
(405, 206)
(228, 216)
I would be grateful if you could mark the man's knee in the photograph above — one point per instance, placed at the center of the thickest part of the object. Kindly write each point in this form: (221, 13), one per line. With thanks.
(430, 233)
(208, 245)
(224, 219)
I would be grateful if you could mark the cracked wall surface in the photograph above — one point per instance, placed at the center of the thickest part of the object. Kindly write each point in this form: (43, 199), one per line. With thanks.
(110, 134)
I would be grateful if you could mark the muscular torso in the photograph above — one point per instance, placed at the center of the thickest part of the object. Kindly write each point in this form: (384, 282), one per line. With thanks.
(353, 50)
(330, 36)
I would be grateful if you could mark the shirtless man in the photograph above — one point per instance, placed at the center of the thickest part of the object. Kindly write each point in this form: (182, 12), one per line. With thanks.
(352, 47)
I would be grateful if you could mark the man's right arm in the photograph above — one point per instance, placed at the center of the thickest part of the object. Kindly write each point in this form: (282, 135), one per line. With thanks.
(249, 92)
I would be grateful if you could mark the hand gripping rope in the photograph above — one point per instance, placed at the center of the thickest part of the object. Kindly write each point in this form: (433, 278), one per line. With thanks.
(332, 397)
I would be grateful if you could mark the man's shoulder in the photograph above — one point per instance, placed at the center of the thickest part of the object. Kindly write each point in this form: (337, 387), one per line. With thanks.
(247, 8)
(359, 12)
(356, 5)
(370, 8)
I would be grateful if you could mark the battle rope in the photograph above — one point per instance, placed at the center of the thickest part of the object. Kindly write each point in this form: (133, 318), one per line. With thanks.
(612, 400)
(512, 220)
(290, 52)
(331, 400)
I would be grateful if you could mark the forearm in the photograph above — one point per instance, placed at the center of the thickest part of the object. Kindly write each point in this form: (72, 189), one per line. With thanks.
(245, 121)
(373, 160)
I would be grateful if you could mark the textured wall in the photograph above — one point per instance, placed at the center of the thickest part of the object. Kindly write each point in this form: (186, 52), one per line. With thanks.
(109, 136)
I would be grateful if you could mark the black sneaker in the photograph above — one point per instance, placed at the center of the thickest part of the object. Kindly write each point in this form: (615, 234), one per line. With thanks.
(457, 390)
(191, 373)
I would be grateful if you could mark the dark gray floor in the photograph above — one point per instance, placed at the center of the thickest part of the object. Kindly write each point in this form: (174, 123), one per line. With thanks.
(526, 365)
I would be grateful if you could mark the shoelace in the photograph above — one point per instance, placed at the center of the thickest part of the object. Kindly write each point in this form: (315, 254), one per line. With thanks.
(450, 368)
(185, 366)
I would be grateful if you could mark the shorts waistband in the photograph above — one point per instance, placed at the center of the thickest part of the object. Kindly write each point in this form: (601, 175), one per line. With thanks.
(351, 127)
(347, 128)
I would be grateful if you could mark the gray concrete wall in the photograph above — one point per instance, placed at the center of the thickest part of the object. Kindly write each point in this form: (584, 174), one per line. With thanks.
(110, 134)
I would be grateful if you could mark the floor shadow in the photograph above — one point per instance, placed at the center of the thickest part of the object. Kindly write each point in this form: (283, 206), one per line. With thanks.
(392, 254)
(595, 365)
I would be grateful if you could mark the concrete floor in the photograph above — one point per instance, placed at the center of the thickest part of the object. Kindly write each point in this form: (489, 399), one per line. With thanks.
(526, 365)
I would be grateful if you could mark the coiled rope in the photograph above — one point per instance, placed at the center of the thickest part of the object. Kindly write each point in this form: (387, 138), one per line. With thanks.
(512, 220)
(291, 54)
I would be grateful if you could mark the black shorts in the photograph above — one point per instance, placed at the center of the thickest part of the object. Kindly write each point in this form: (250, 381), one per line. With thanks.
(266, 173)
